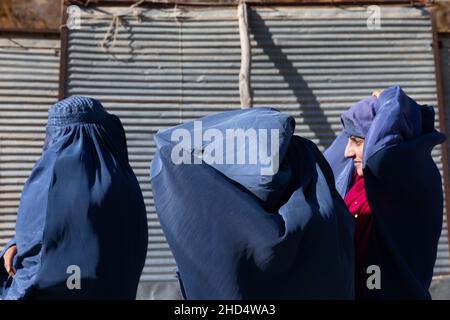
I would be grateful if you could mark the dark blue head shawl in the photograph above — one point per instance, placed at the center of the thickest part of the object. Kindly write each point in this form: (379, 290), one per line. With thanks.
(81, 206)
(404, 190)
(239, 234)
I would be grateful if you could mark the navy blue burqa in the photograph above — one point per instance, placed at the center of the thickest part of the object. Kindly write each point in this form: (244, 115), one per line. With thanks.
(403, 188)
(80, 210)
(239, 233)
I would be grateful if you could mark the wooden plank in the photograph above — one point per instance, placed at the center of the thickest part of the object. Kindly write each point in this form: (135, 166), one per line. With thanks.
(244, 74)
(255, 2)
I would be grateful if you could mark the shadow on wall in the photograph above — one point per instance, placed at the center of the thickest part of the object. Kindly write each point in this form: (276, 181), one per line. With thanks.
(313, 115)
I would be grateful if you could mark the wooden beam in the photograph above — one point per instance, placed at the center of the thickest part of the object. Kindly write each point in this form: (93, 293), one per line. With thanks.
(344, 2)
(442, 15)
(50, 33)
(441, 112)
(418, 3)
(244, 74)
(64, 52)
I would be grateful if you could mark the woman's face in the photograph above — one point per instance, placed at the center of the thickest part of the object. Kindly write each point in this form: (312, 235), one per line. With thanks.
(354, 150)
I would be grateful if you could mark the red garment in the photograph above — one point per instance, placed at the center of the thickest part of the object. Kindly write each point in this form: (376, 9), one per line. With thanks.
(357, 204)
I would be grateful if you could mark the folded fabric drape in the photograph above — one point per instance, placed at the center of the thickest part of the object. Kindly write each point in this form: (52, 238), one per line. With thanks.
(81, 210)
(238, 231)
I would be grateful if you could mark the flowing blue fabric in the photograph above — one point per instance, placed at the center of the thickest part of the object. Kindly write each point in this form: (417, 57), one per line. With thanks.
(238, 233)
(403, 187)
(81, 206)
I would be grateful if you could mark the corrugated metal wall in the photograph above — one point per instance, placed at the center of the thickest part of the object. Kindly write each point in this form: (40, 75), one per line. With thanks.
(314, 63)
(172, 66)
(29, 69)
(175, 65)
(179, 64)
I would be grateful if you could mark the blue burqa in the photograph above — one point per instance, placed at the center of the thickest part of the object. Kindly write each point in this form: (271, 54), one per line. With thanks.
(239, 232)
(81, 212)
(403, 188)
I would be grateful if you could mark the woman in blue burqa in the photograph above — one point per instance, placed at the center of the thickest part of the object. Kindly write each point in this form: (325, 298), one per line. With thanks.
(81, 229)
(384, 171)
(241, 227)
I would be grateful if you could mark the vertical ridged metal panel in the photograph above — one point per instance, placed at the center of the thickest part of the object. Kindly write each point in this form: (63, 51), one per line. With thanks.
(314, 63)
(171, 66)
(29, 69)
